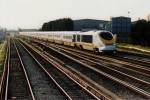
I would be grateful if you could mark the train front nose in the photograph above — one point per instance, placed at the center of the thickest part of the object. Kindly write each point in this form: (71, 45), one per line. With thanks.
(108, 48)
(108, 41)
(106, 37)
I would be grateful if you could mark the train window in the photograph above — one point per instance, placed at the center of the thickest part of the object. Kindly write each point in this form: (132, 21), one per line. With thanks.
(87, 38)
(74, 38)
(106, 35)
(78, 38)
(67, 37)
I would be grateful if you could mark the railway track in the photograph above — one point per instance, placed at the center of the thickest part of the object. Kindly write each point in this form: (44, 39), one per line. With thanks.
(133, 58)
(72, 89)
(143, 60)
(120, 61)
(4, 73)
(95, 72)
(43, 86)
(130, 58)
(99, 91)
(130, 67)
(133, 52)
(124, 70)
(15, 81)
(95, 63)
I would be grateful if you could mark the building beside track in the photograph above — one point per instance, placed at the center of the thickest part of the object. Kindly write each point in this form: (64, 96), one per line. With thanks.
(90, 24)
(117, 25)
(122, 27)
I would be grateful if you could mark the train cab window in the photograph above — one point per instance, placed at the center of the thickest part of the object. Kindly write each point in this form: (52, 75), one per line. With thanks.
(87, 38)
(78, 38)
(106, 35)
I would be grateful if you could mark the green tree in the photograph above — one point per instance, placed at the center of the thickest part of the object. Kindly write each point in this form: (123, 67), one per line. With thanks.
(141, 33)
(65, 24)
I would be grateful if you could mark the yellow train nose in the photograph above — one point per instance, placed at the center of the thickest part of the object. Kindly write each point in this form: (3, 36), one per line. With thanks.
(107, 42)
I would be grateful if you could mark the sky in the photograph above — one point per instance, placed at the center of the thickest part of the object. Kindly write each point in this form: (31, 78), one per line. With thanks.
(33, 13)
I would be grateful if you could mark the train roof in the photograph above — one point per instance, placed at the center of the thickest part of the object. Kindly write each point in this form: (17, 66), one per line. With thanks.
(70, 32)
(51, 32)
(93, 32)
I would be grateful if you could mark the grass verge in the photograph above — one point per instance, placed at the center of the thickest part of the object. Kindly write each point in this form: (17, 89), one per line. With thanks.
(2, 55)
(134, 47)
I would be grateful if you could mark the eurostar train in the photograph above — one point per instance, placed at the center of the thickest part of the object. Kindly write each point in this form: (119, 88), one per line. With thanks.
(97, 41)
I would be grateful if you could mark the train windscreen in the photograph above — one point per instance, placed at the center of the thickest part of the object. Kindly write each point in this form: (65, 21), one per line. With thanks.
(106, 35)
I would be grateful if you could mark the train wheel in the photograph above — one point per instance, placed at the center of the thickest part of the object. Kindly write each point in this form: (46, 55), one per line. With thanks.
(81, 47)
(96, 50)
(114, 52)
(75, 46)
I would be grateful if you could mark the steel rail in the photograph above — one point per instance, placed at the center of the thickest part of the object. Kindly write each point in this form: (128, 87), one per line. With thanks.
(42, 55)
(130, 66)
(132, 51)
(94, 58)
(41, 66)
(25, 73)
(55, 65)
(90, 59)
(131, 60)
(138, 90)
(8, 70)
(7, 76)
(4, 74)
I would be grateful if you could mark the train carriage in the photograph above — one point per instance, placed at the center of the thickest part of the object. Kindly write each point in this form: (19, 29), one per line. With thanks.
(98, 41)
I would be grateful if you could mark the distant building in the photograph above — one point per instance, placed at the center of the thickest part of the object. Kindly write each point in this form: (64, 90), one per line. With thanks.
(27, 30)
(2, 34)
(90, 24)
(122, 27)
(121, 24)
(12, 33)
(117, 25)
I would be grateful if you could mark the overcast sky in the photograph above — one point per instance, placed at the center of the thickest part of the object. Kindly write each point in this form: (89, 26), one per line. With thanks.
(33, 13)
